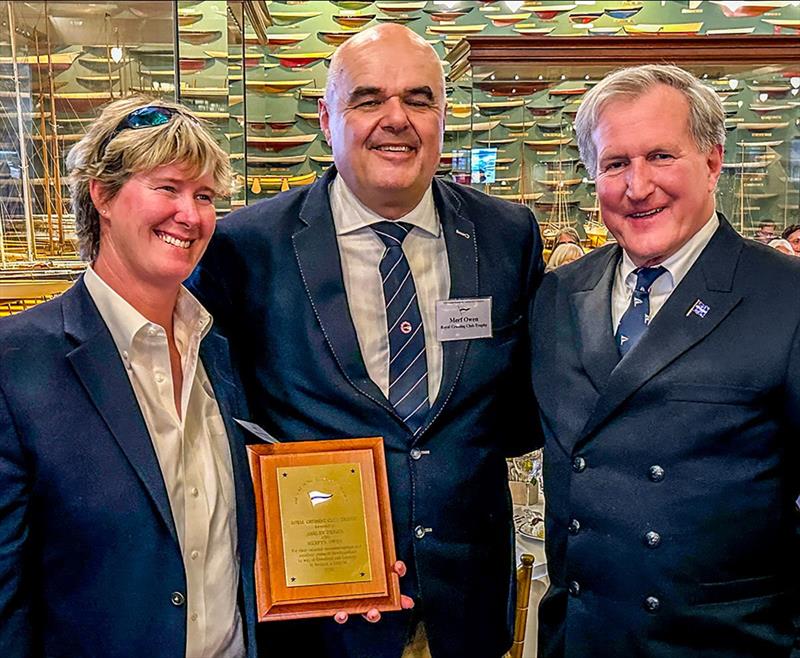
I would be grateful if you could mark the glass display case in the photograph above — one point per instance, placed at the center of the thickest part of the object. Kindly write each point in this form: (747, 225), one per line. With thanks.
(524, 93)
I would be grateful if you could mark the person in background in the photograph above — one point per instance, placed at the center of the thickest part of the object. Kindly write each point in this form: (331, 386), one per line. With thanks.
(330, 294)
(784, 246)
(667, 370)
(567, 235)
(126, 508)
(564, 253)
(765, 232)
(792, 235)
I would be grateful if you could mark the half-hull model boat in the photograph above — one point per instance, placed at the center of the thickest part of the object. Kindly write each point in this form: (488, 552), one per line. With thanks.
(548, 13)
(556, 141)
(311, 117)
(747, 9)
(519, 197)
(275, 160)
(97, 82)
(495, 142)
(276, 86)
(283, 18)
(684, 29)
(279, 143)
(300, 60)
(399, 7)
(529, 28)
(507, 20)
(353, 20)
(257, 184)
(510, 87)
(101, 64)
(336, 37)
(455, 30)
(280, 124)
(448, 14)
(187, 17)
(199, 37)
(493, 108)
(287, 39)
(466, 127)
(623, 12)
(312, 93)
(763, 125)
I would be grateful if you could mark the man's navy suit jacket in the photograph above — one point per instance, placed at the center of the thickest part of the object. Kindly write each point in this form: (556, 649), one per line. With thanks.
(671, 475)
(89, 555)
(272, 278)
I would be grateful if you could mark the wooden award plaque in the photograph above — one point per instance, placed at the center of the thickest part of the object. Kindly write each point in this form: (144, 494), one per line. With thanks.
(324, 529)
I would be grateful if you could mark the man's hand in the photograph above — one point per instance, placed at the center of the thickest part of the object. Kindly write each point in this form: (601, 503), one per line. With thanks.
(373, 615)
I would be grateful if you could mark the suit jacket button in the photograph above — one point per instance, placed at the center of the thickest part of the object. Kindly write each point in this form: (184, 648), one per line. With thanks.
(652, 539)
(575, 588)
(574, 527)
(416, 453)
(656, 473)
(652, 604)
(579, 464)
(177, 598)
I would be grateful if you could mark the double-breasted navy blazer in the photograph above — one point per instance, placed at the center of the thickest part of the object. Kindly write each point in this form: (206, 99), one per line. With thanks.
(671, 475)
(272, 278)
(89, 558)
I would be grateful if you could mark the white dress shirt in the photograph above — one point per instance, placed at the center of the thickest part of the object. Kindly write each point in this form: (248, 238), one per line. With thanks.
(676, 265)
(194, 457)
(361, 251)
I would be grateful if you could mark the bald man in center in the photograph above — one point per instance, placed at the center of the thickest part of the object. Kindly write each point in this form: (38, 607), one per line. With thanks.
(382, 301)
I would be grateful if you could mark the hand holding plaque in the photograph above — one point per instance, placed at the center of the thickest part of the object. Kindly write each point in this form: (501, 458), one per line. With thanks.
(324, 531)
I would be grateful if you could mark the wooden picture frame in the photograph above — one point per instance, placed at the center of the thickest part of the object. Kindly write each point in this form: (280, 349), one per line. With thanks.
(324, 541)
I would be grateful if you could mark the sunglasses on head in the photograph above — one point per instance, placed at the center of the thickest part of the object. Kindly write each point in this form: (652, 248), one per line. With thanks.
(144, 117)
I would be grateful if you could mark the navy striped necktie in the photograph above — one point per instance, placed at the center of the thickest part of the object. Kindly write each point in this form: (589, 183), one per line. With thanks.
(634, 321)
(408, 366)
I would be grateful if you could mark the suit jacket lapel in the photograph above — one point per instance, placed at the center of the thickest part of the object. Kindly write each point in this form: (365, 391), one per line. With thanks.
(462, 256)
(317, 253)
(591, 316)
(677, 328)
(216, 361)
(97, 364)
(215, 356)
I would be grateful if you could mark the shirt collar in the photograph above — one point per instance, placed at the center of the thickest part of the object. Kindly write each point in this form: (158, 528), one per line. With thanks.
(681, 261)
(124, 322)
(359, 216)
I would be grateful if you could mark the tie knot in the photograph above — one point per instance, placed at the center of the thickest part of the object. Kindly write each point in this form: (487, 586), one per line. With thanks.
(646, 276)
(392, 233)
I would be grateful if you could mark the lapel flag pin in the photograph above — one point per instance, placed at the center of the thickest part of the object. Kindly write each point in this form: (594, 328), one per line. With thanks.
(699, 309)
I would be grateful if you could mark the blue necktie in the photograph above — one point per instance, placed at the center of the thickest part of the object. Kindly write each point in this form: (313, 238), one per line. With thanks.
(636, 318)
(408, 367)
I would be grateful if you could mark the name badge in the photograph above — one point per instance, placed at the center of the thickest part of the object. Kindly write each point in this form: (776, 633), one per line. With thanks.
(464, 319)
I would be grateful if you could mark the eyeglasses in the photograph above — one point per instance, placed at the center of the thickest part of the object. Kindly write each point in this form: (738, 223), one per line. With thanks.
(144, 117)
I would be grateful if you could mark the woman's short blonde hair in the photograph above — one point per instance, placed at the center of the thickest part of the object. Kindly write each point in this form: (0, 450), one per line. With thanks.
(564, 253)
(112, 159)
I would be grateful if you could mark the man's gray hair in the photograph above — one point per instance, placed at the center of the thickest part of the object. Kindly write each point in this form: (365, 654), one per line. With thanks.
(706, 114)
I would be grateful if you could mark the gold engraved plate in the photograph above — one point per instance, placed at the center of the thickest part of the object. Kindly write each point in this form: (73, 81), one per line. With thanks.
(323, 524)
